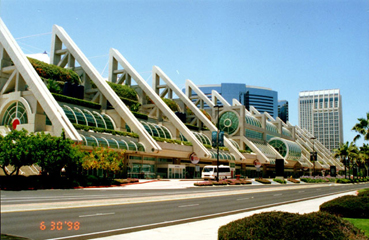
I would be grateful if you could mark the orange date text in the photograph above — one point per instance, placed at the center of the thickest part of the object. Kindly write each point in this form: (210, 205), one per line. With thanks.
(59, 225)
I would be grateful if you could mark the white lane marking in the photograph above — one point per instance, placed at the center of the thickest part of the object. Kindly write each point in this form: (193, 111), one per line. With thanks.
(240, 199)
(277, 194)
(191, 205)
(97, 214)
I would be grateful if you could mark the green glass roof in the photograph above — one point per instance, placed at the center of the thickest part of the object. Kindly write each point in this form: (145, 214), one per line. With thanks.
(15, 111)
(229, 122)
(86, 117)
(252, 121)
(288, 149)
(271, 127)
(112, 142)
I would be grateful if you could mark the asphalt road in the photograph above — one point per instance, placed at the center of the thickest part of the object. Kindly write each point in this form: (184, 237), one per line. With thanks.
(98, 221)
(56, 195)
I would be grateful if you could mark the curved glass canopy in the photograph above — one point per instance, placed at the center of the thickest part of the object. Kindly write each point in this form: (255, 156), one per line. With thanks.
(234, 143)
(253, 134)
(112, 142)
(271, 127)
(252, 121)
(86, 117)
(264, 148)
(156, 130)
(15, 111)
(202, 138)
(222, 155)
(286, 132)
(228, 122)
(288, 149)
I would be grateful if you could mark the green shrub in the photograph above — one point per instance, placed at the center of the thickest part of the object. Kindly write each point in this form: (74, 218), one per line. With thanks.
(263, 181)
(279, 181)
(140, 115)
(54, 72)
(53, 86)
(347, 206)
(171, 104)
(363, 193)
(283, 225)
(124, 91)
(133, 105)
(343, 180)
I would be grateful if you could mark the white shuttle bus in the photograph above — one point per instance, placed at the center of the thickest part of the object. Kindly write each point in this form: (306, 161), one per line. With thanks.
(210, 172)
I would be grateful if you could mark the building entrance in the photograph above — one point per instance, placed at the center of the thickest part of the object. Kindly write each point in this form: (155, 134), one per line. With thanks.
(176, 171)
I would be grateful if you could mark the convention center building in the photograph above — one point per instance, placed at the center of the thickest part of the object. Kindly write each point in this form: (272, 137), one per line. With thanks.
(163, 131)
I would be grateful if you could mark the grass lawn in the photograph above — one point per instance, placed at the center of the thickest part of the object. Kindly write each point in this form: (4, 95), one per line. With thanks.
(360, 223)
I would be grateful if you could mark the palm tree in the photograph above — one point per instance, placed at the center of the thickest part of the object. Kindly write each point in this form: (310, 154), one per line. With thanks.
(362, 127)
(353, 154)
(342, 153)
(364, 156)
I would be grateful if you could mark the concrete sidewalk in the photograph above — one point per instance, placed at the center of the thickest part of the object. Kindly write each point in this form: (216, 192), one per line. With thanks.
(208, 229)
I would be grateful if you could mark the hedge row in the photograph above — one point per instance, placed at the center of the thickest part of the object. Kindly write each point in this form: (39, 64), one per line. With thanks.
(284, 225)
(348, 206)
(279, 181)
(76, 101)
(104, 130)
(345, 180)
(159, 139)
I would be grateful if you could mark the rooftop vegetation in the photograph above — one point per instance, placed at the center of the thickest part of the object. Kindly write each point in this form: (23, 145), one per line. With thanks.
(53, 72)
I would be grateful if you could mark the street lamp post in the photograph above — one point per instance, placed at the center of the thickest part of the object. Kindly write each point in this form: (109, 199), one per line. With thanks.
(218, 131)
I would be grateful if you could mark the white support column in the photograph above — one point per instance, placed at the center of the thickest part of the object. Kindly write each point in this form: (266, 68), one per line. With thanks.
(61, 37)
(39, 89)
(200, 150)
(194, 109)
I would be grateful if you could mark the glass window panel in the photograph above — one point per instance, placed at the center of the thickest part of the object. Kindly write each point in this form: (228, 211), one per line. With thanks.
(167, 133)
(81, 119)
(102, 142)
(132, 146)
(141, 147)
(90, 118)
(99, 120)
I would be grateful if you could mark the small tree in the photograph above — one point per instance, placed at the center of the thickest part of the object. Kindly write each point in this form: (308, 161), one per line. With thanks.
(53, 153)
(15, 149)
(104, 158)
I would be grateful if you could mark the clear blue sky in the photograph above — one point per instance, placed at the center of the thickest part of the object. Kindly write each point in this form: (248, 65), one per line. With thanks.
(286, 45)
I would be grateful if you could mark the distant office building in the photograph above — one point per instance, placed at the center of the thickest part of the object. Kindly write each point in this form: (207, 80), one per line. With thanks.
(283, 110)
(320, 112)
(263, 99)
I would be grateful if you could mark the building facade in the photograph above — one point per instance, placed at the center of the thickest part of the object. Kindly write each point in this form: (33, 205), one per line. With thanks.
(155, 141)
(283, 110)
(263, 99)
(320, 112)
